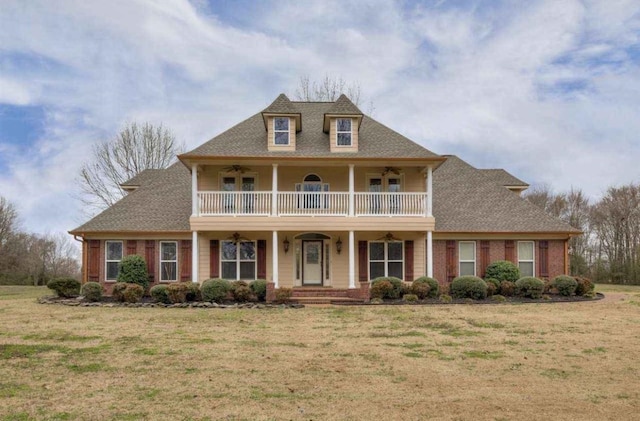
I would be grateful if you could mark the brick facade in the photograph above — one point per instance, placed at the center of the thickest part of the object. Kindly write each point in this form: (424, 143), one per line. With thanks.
(497, 252)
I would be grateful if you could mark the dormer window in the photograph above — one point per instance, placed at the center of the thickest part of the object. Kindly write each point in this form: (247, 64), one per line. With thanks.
(343, 131)
(281, 130)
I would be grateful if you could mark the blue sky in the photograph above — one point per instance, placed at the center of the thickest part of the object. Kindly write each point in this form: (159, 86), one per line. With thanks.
(549, 90)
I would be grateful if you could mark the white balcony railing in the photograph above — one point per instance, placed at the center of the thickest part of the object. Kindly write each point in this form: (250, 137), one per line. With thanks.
(234, 203)
(213, 203)
(390, 204)
(313, 203)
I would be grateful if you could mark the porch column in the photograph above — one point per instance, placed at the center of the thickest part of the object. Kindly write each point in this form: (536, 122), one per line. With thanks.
(430, 190)
(195, 209)
(194, 257)
(351, 191)
(352, 260)
(430, 254)
(274, 192)
(274, 254)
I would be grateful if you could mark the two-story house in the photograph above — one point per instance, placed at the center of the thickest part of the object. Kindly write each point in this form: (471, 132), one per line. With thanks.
(318, 197)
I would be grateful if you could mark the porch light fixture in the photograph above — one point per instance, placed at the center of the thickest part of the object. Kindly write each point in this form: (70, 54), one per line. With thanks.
(285, 245)
(339, 245)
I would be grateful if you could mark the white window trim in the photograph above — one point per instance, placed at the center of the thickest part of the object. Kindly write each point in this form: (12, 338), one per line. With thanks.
(386, 260)
(106, 261)
(533, 255)
(237, 260)
(288, 131)
(475, 257)
(168, 261)
(344, 131)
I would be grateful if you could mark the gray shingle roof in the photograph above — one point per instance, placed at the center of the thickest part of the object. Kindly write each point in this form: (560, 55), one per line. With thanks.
(143, 177)
(466, 201)
(343, 106)
(248, 139)
(281, 105)
(161, 204)
(503, 178)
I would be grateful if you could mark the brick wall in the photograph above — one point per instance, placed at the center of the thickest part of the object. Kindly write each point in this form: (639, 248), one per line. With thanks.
(497, 252)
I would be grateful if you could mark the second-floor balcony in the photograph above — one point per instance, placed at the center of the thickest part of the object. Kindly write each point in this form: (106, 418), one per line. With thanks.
(267, 203)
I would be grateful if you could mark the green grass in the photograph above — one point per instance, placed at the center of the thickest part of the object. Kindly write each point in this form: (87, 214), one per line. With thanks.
(413, 362)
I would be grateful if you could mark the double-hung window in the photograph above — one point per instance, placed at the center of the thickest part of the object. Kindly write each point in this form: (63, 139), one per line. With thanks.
(467, 257)
(343, 131)
(281, 130)
(526, 258)
(113, 257)
(386, 258)
(238, 260)
(168, 261)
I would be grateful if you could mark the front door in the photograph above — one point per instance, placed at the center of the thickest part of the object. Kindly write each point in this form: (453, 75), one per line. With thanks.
(312, 262)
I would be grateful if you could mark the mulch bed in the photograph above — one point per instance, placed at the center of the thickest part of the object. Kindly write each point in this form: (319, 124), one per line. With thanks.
(508, 300)
(147, 302)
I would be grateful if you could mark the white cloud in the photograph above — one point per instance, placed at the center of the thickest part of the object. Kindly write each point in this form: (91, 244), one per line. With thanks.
(549, 90)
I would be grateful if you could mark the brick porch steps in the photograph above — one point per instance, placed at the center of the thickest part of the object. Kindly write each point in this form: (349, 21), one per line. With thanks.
(319, 292)
(324, 300)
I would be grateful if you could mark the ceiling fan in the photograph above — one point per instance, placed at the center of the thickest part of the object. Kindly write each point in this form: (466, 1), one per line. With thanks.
(388, 237)
(236, 238)
(392, 170)
(236, 169)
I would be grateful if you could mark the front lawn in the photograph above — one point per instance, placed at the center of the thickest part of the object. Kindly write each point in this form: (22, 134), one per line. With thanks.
(463, 362)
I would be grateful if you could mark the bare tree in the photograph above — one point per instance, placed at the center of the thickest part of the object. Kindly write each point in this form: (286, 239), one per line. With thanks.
(135, 149)
(329, 89)
(616, 222)
(8, 219)
(573, 208)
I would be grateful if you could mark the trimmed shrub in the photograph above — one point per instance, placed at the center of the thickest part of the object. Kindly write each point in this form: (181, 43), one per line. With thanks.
(507, 288)
(503, 270)
(283, 295)
(177, 292)
(493, 281)
(405, 289)
(491, 288)
(396, 283)
(590, 294)
(445, 298)
(376, 301)
(133, 269)
(159, 294)
(64, 287)
(92, 291)
(215, 290)
(118, 291)
(420, 290)
(584, 285)
(241, 291)
(565, 285)
(132, 293)
(193, 292)
(410, 298)
(381, 289)
(259, 288)
(530, 287)
(434, 286)
(498, 298)
(469, 287)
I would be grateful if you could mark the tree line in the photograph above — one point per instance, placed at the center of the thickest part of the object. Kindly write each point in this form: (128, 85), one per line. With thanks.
(33, 259)
(609, 248)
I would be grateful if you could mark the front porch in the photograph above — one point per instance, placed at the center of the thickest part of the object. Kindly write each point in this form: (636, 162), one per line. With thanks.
(324, 266)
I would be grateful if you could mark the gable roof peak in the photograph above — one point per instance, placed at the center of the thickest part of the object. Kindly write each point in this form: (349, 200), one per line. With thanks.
(281, 105)
(344, 106)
